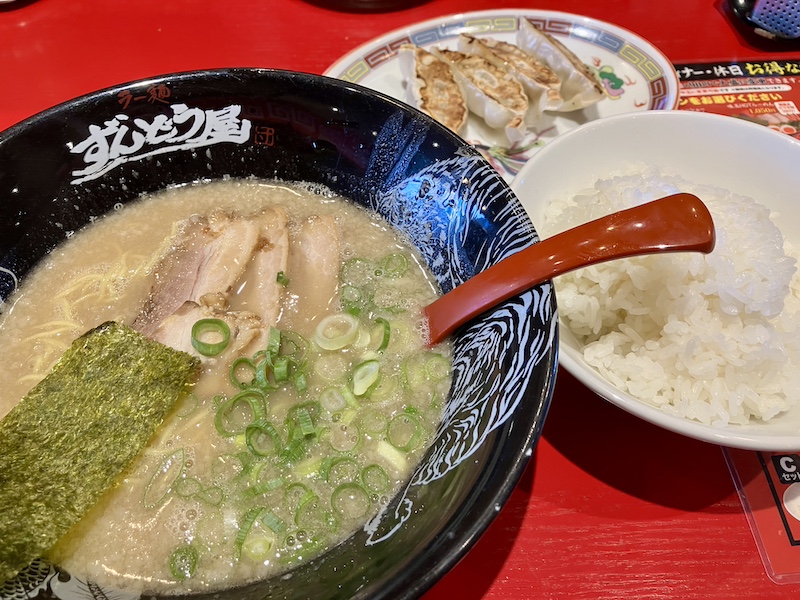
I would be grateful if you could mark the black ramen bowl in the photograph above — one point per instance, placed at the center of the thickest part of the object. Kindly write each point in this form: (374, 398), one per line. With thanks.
(64, 167)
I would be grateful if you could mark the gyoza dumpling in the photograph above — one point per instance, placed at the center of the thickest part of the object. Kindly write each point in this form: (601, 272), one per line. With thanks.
(491, 92)
(579, 88)
(431, 87)
(539, 81)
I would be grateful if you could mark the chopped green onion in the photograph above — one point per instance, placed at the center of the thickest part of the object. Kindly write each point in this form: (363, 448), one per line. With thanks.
(246, 525)
(212, 495)
(274, 342)
(183, 562)
(393, 265)
(309, 514)
(265, 376)
(258, 545)
(307, 468)
(273, 522)
(354, 300)
(375, 478)
(305, 422)
(280, 369)
(343, 437)
(340, 469)
(236, 413)
(345, 417)
(385, 389)
(357, 272)
(332, 399)
(262, 438)
(373, 421)
(238, 365)
(186, 487)
(282, 279)
(404, 432)
(210, 336)
(334, 332)
(384, 332)
(414, 371)
(263, 488)
(164, 478)
(293, 346)
(350, 501)
(437, 367)
(395, 458)
(300, 382)
(294, 451)
(312, 407)
(297, 494)
(365, 376)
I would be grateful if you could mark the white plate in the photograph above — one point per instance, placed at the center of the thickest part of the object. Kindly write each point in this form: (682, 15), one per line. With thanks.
(636, 75)
(703, 148)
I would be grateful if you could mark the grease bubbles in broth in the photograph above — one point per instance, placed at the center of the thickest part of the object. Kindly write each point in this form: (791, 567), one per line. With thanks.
(317, 395)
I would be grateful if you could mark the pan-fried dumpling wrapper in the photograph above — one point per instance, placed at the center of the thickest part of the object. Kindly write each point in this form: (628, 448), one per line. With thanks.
(431, 87)
(579, 87)
(538, 80)
(491, 92)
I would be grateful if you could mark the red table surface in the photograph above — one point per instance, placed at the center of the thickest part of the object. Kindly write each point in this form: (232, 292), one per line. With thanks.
(610, 506)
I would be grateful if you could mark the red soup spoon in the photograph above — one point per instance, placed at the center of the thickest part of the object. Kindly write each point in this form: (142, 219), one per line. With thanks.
(677, 223)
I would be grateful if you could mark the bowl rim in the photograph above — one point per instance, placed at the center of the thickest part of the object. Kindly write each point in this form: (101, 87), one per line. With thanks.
(481, 506)
(570, 358)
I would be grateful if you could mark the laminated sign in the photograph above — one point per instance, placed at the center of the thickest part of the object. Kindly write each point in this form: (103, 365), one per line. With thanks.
(768, 484)
(766, 92)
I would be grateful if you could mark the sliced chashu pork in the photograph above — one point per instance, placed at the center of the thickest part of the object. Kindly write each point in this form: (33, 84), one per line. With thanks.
(260, 291)
(244, 291)
(208, 256)
(314, 262)
(432, 87)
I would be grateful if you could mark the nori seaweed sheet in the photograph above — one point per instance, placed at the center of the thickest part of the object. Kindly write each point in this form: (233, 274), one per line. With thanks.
(74, 433)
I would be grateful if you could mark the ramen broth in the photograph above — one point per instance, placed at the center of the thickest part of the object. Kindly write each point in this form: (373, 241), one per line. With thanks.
(254, 471)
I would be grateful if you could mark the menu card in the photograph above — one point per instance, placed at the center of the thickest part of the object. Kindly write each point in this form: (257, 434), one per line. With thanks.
(763, 91)
(768, 484)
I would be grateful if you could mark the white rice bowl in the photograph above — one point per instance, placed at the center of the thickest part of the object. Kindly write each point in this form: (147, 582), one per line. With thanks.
(704, 345)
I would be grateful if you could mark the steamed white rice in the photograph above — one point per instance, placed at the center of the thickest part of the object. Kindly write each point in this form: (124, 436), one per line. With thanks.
(708, 337)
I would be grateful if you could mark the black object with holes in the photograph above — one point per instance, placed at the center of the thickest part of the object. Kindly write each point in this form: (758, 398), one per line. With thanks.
(770, 18)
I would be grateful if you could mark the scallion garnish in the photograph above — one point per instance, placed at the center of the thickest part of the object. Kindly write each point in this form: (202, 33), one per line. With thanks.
(305, 422)
(274, 341)
(350, 501)
(334, 332)
(375, 478)
(282, 279)
(365, 376)
(280, 369)
(393, 265)
(235, 414)
(210, 336)
(240, 365)
(262, 438)
(384, 333)
(404, 432)
(245, 526)
(332, 399)
(183, 562)
(300, 382)
(164, 478)
(273, 522)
